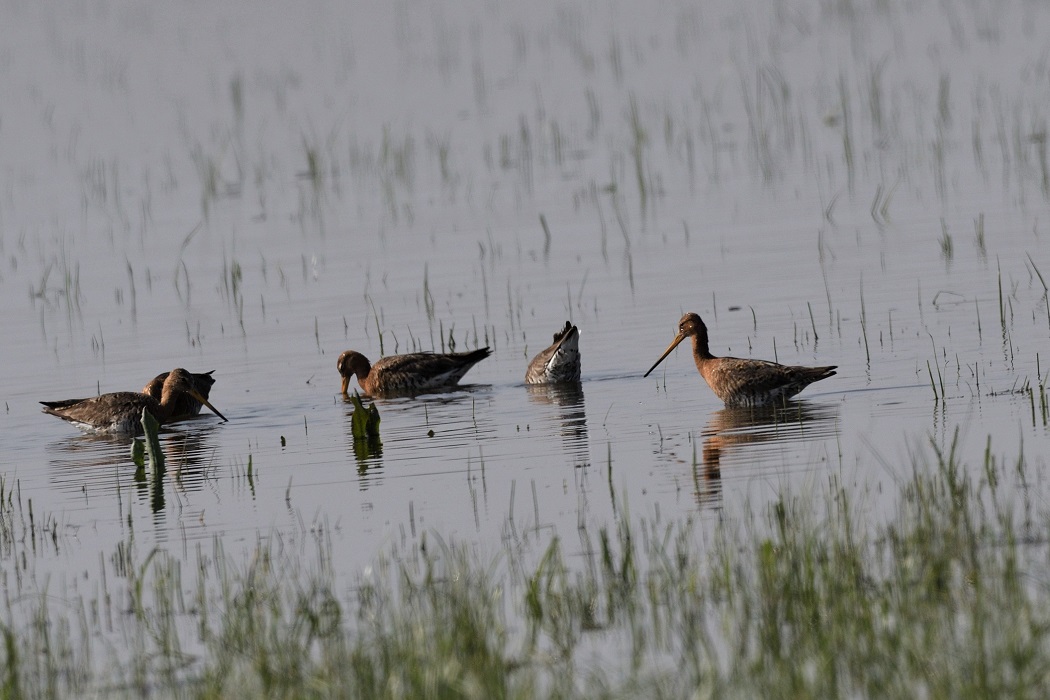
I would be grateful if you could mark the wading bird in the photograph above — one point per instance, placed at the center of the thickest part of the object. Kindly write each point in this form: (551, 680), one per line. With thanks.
(120, 413)
(185, 405)
(740, 382)
(560, 363)
(408, 375)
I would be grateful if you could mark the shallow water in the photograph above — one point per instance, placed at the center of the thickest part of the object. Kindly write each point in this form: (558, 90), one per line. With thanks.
(850, 184)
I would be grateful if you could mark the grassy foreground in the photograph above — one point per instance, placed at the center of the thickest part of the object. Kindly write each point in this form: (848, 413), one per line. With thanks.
(947, 600)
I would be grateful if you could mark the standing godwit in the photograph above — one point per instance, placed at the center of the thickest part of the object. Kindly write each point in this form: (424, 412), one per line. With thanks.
(740, 382)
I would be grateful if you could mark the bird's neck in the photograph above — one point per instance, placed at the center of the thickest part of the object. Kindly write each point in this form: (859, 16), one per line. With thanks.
(701, 351)
(162, 409)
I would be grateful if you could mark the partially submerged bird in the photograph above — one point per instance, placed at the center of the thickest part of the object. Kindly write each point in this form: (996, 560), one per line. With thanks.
(407, 375)
(560, 363)
(740, 382)
(120, 413)
(186, 406)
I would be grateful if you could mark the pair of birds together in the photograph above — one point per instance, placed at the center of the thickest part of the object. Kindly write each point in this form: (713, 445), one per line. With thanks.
(179, 394)
(168, 397)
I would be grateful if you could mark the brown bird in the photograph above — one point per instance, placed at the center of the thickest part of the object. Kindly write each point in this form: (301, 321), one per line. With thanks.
(120, 413)
(408, 375)
(741, 382)
(185, 405)
(560, 363)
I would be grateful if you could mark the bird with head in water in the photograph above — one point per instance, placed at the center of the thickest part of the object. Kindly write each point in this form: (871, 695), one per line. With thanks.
(742, 382)
(407, 375)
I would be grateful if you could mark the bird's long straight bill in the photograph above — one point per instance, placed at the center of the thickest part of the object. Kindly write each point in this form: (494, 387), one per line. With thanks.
(197, 395)
(672, 346)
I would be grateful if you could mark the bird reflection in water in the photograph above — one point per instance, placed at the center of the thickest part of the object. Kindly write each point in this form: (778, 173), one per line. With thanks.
(571, 416)
(85, 463)
(367, 447)
(419, 427)
(730, 429)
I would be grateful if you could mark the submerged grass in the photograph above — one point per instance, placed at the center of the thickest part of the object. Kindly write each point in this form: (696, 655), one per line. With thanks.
(804, 599)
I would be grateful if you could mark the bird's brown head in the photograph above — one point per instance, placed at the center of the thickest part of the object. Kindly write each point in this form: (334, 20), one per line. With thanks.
(181, 381)
(351, 363)
(690, 326)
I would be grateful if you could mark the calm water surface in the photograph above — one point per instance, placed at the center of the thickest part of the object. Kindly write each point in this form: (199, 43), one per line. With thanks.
(255, 191)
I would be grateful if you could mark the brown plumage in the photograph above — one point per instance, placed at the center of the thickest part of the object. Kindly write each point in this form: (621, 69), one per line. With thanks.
(120, 413)
(740, 382)
(560, 363)
(408, 375)
(185, 405)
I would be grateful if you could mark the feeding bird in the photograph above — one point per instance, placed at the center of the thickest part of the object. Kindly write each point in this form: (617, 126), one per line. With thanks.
(186, 406)
(120, 413)
(410, 374)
